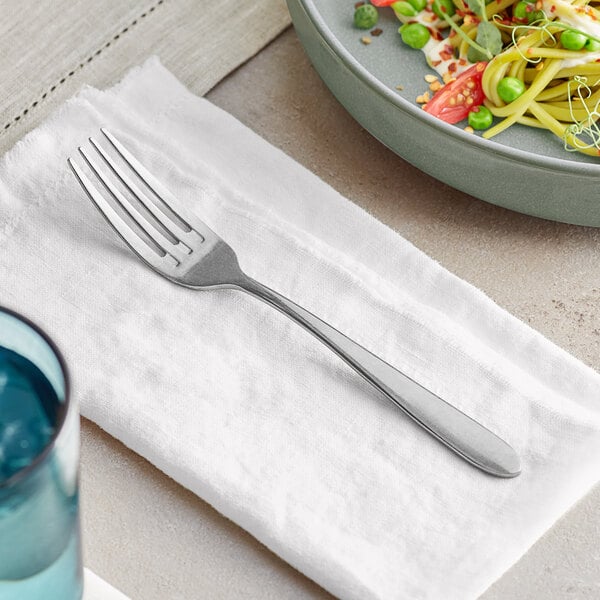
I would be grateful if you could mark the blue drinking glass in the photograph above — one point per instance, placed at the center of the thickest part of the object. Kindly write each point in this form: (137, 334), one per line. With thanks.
(40, 557)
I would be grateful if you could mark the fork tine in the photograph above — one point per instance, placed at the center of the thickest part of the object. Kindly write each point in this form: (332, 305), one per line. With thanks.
(152, 256)
(173, 228)
(175, 249)
(186, 217)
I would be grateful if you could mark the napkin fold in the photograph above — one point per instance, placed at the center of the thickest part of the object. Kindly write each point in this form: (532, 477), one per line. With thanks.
(254, 415)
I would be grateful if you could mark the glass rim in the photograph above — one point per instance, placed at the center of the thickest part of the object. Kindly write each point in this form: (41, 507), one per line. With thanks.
(62, 413)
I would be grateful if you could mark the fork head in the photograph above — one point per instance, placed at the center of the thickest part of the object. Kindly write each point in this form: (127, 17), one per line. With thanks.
(160, 229)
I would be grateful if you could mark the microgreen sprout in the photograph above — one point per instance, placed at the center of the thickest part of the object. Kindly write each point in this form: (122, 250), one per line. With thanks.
(521, 30)
(488, 42)
(546, 27)
(587, 127)
(477, 7)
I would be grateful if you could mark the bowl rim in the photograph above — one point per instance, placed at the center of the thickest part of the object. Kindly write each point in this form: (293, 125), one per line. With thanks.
(540, 161)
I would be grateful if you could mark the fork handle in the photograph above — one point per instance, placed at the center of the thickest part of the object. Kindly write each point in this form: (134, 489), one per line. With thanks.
(459, 432)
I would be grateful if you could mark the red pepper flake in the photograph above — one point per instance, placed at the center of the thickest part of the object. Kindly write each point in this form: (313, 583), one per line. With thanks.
(436, 35)
(436, 63)
(359, 4)
(462, 62)
(377, 32)
(452, 67)
(448, 49)
(553, 8)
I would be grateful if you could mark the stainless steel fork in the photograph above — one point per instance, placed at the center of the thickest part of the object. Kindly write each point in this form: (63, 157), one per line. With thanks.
(175, 243)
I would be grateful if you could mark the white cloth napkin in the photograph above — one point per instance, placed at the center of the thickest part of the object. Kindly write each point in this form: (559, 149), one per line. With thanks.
(240, 405)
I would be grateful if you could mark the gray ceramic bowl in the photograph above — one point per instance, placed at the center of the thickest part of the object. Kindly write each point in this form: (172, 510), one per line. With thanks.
(524, 169)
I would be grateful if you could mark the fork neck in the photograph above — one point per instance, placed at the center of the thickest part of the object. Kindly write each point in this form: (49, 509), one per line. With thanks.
(277, 301)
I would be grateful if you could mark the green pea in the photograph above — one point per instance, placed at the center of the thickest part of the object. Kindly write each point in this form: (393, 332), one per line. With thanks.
(536, 15)
(414, 35)
(443, 7)
(510, 88)
(480, 117)
(404, 9)
(418, 5)
(366, 16)
(592, 45)
(520, 11)
(573, 40)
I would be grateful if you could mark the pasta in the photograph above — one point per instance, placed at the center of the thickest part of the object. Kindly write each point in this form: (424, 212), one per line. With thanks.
(539, 63)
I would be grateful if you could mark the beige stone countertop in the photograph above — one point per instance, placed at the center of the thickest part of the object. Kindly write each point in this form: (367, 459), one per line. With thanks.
(155, 540)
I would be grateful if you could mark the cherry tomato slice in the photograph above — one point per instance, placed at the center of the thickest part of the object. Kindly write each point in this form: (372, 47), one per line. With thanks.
(383, 2)
(455, 100)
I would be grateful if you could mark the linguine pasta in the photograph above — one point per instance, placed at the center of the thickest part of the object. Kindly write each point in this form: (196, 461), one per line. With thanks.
(549, 51)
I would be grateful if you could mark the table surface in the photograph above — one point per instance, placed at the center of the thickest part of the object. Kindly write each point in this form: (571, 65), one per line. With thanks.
(153, 539)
